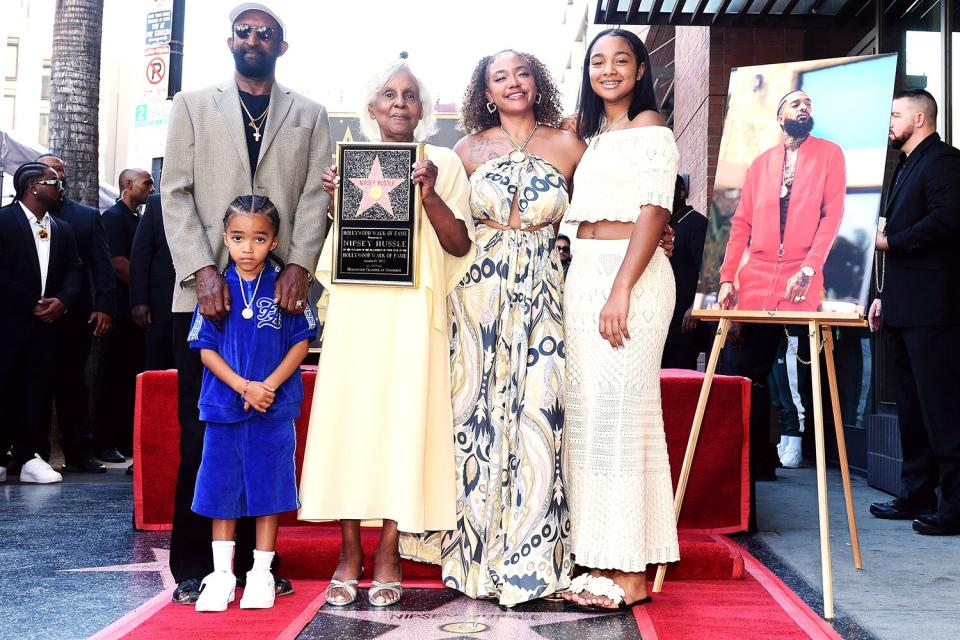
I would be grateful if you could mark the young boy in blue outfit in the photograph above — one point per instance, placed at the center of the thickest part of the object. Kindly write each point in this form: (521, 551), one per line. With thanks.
(250, 396)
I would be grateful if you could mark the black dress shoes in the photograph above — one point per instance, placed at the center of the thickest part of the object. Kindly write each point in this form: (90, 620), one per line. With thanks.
(896, 509)
(111, 455)
(937, 525)
(83, 465)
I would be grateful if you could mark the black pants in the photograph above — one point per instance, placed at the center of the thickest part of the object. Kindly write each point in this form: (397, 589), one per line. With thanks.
(925, 362)
(190, 553)
(159, 341)
(121, 359)
(27, 371)
(70, 387)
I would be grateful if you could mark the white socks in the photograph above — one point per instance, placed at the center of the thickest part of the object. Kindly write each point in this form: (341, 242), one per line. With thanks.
(223, 555)
(262, 560)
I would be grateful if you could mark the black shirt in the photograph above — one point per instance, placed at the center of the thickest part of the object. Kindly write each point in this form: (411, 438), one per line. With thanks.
(691, 229)
(120, 224)
(256, 105)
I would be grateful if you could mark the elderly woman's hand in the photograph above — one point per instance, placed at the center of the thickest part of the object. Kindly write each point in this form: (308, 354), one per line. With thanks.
(425, 174)
(330, 179)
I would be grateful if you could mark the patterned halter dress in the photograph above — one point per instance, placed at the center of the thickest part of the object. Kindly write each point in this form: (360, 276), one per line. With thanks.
(512, 541)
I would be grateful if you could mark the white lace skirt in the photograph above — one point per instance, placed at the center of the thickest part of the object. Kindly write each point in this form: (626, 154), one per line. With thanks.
(616, 468)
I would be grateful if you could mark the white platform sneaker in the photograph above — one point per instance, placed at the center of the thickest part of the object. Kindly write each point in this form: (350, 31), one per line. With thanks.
(791, 458)
(216, 591)
(37, 470)
(259, 592)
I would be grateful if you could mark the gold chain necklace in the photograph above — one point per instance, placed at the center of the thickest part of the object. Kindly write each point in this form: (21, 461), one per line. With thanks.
(254, 123)
(518, 154)
(604, 129)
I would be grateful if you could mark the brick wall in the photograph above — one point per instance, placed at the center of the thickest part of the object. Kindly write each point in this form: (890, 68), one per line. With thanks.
(704, 57)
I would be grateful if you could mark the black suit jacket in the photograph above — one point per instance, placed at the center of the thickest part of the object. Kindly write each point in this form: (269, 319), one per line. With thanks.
(152, 275)
(95, 254)
(922, 270)
(20, 270)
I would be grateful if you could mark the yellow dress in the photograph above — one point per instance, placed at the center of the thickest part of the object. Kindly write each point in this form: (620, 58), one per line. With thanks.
(380, 440)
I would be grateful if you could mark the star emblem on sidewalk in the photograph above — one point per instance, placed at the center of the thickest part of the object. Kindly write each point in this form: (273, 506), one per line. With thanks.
(376, 189)
(160, 564)
(441, 613)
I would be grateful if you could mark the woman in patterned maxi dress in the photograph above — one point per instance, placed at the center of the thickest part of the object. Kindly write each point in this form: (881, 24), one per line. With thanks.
(512, 537)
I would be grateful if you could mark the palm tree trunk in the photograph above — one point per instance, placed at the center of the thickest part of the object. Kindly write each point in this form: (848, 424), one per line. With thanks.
(75, 94)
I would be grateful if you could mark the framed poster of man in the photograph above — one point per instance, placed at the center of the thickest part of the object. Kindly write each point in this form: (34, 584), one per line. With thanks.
(796, 198)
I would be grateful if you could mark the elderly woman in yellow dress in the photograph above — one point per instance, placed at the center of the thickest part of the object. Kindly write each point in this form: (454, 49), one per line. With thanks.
(380, 443)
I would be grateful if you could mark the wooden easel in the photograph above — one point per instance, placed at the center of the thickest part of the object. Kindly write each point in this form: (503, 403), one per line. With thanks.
(819, 324)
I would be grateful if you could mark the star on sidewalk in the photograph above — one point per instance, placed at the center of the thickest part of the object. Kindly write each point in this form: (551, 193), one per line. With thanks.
(415, 622)
(376, 189)
(160, 564)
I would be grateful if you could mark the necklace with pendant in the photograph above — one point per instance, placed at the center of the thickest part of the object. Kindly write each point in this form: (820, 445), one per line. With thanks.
(247, 312)
(518, 154)
(604, 129)
(255, 123)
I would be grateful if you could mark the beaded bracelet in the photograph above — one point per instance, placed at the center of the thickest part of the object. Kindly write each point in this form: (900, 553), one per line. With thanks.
(246, 383)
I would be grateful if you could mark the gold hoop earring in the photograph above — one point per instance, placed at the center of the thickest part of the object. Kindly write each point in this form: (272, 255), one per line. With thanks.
(491, 107)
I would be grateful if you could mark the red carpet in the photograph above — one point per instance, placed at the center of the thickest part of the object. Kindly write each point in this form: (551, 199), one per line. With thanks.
(752, 606)
(717, 498)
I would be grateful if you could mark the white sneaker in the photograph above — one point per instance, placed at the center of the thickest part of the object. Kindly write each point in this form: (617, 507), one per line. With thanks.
(781, 449)
(37, 470)
(216, 591)
(791, 459)
(259, 592)
(3, 474)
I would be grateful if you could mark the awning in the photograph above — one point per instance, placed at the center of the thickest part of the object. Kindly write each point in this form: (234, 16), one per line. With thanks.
(797, 14)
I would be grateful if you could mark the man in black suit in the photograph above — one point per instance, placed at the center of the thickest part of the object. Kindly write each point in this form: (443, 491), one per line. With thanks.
(93, 316)
(151, 286)
(40, 277)
(121, 355)
(919, 310)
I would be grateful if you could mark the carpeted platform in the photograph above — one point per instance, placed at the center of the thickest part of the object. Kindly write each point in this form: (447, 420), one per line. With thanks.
(717, 498)
(754, 605)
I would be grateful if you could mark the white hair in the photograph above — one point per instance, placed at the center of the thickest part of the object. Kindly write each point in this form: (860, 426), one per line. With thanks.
(428, 121)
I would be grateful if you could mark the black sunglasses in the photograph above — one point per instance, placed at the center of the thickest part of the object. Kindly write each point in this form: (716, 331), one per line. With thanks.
(264, 32)
(563, 248)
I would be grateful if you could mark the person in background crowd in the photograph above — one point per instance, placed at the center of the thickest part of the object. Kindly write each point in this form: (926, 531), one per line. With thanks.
(284, 143)
(685, 339)
(919, 311)
(93, 316)
(40, 278)
(121, 354)
(563, 250)
(151, 286)
(785, 396)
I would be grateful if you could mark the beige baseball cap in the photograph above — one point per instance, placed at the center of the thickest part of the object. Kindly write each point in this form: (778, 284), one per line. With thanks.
(255, 6)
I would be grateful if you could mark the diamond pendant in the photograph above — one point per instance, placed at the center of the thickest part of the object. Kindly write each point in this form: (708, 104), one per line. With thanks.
(783, 191)
(517, 156)
(247, 313)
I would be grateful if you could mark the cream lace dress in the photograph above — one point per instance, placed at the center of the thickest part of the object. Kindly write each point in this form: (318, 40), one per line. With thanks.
(616, 468)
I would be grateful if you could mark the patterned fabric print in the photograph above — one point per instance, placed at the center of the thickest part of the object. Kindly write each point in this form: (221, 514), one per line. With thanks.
(615, 461)
(512, 540)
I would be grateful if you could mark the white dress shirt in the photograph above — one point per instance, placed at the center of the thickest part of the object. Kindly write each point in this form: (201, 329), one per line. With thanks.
(42, 244)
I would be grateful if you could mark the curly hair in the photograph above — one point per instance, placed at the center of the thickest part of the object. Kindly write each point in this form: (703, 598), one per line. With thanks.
(474, 116)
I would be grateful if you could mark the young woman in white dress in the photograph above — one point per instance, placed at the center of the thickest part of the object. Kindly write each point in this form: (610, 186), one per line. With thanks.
(618, 301)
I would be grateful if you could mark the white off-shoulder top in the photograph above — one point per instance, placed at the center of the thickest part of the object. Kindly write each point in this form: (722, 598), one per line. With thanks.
(627, 169)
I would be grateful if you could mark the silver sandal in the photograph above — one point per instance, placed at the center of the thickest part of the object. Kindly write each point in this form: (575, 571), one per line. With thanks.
(350, 586)
(376, 588)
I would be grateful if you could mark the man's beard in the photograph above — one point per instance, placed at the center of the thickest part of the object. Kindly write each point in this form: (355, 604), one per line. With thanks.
(261, 68)
(898, 142)
(797, 129)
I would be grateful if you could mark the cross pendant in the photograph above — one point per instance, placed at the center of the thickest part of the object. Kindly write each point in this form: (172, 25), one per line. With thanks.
(256, 135)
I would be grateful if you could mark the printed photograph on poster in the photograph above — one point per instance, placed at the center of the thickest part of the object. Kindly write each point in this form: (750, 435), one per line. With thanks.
(796, 198)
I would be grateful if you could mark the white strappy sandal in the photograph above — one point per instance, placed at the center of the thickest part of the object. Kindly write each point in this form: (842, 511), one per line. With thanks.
(376, 588)
(350, 586)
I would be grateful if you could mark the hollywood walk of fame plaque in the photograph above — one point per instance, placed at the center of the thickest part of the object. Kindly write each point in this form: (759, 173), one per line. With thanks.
(377, 213)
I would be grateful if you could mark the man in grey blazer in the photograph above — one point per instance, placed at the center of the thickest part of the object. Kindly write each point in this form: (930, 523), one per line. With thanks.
(247, 136)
